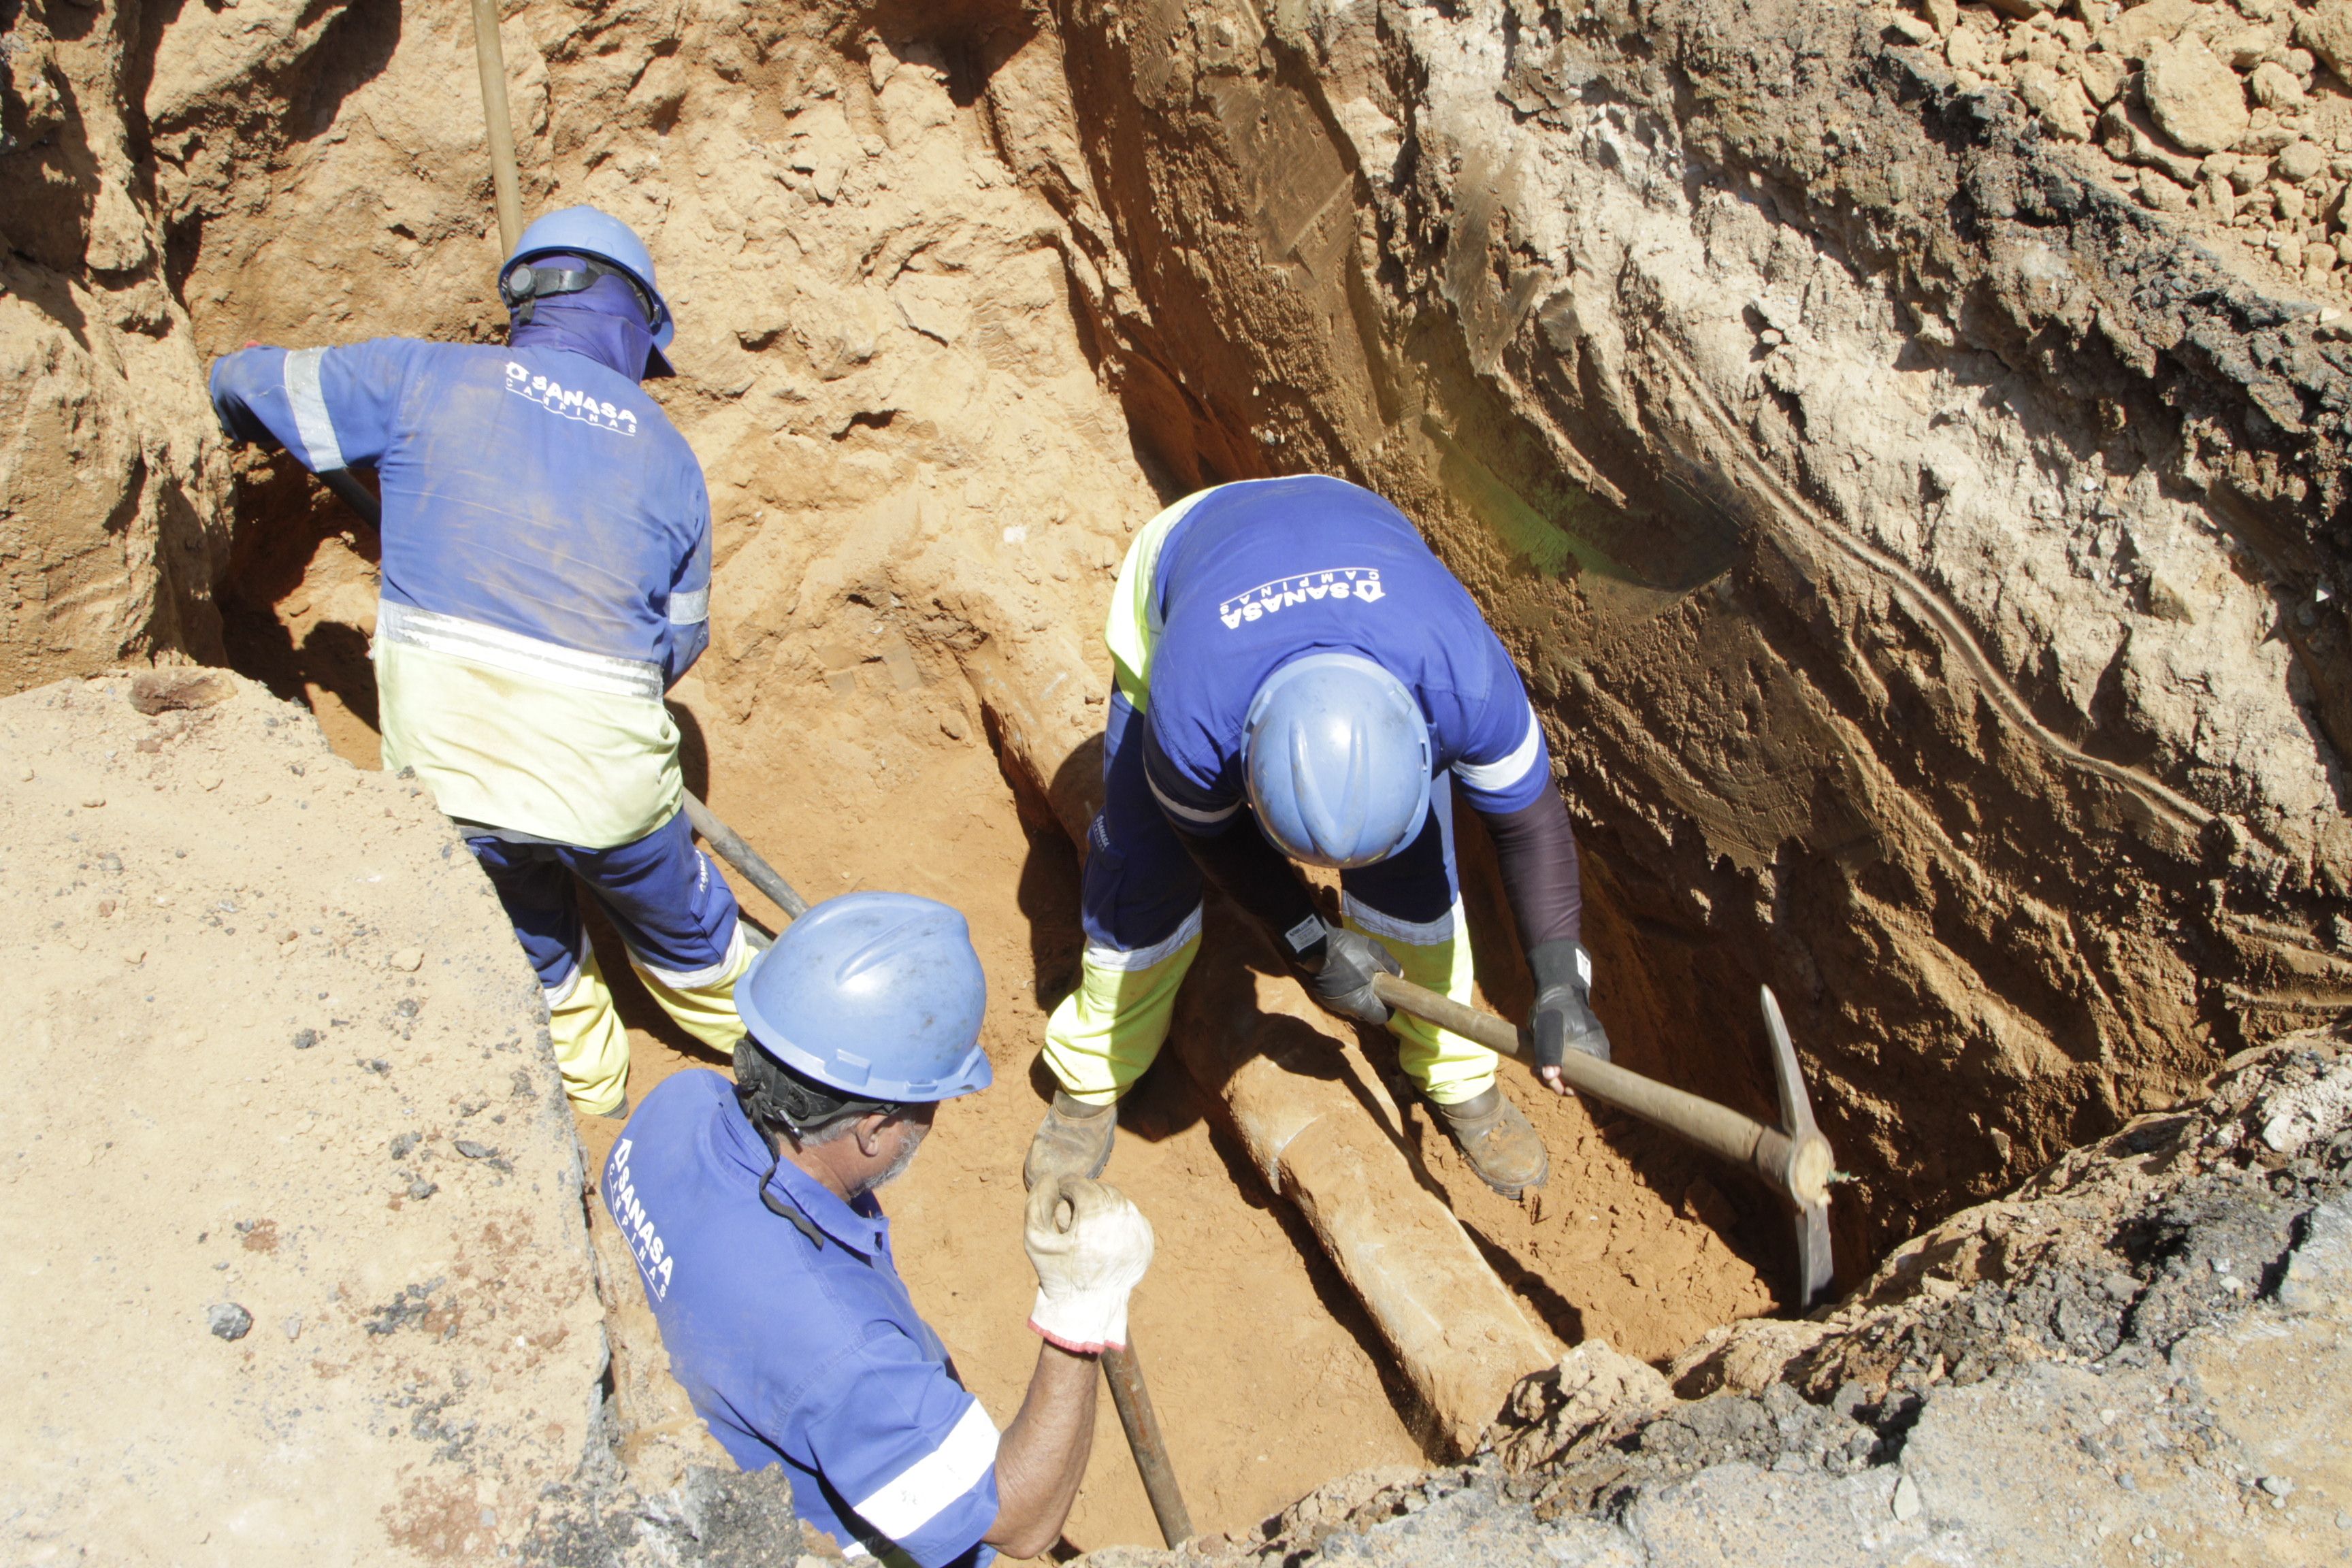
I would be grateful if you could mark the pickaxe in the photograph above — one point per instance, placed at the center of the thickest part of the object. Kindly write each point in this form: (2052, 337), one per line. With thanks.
(1794, 1159)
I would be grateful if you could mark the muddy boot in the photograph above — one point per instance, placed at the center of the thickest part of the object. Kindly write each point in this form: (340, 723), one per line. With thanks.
(1502, 1146)
(1072, 1141)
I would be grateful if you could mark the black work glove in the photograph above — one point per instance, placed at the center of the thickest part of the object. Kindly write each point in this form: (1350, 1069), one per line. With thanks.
(1562, 1019)
(1338, 967)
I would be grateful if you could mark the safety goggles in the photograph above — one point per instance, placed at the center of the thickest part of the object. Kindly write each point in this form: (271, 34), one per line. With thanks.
(523, 286)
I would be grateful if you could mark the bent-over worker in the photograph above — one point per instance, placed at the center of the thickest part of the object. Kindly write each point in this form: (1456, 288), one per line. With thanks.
(546, 578)
(751, 1212)
(1299, 678)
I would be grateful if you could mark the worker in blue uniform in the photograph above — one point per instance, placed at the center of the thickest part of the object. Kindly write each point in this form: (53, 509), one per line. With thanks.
(546, 578)
(750, 1209)
(1298, 679)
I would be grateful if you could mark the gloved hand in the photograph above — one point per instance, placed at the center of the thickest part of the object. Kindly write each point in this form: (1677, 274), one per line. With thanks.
(1562, 1019)
(1090, 1247)
(1343, 983)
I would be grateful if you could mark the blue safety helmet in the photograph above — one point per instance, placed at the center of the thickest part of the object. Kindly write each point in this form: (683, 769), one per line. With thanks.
(1336, 753)
(601, 238)
(877, 994)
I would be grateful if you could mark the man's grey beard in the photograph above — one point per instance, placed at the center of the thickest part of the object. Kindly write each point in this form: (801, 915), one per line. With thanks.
(898, 1166)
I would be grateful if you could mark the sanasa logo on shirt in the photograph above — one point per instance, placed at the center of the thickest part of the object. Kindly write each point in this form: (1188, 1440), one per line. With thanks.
(1360, 583)
(653, 1261)
(569, 401)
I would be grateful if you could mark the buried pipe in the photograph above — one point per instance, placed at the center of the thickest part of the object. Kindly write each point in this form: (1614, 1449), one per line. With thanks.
(1250, 1037)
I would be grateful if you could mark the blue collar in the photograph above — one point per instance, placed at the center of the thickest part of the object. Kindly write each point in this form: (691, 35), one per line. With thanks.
(860, 1227)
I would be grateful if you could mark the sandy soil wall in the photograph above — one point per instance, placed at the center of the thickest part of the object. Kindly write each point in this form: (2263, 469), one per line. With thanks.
(111, 478)
(1924, 553)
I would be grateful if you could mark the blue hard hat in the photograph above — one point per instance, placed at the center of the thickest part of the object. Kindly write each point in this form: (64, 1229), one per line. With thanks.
(1337, 756)
(599, 236)
(877, 994)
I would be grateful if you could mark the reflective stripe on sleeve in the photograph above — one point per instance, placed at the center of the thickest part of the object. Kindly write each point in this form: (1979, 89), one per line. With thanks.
(1177, 810)
(690, 609)
(929, 1485)
(602, 673)
(1494, 778)
(320, 443)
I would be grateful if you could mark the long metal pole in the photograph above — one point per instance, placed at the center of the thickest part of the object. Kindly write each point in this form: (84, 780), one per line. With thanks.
(732, 850)
(1125, 1373)
(499, 123)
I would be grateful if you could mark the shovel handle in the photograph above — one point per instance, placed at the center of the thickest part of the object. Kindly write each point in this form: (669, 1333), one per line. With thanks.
(1798, 1167)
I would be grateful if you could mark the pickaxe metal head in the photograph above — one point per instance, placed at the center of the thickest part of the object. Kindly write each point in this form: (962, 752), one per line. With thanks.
(1810, 1163)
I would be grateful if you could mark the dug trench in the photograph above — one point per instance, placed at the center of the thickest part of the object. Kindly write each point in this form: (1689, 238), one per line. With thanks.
(1923, 550)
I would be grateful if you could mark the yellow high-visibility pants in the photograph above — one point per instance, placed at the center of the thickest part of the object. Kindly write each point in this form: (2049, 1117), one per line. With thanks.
(1448, 1068)
(1107, 1031)
(704, 1003)
(592, 1048)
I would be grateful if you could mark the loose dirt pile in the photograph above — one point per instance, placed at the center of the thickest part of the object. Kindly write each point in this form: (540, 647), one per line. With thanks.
(294, 1213)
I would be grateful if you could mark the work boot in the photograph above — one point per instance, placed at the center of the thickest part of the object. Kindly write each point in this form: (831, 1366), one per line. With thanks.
(1072, 1141)
(1502, 1146)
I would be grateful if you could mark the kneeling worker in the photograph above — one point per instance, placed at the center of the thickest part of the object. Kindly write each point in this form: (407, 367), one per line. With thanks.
(546, 578)
(1296, 676)
(750, 1209)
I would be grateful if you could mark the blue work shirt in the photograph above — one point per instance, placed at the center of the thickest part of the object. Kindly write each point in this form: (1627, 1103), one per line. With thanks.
(528, 490)
(799, 1347)
(1259, 573)
(546, 570)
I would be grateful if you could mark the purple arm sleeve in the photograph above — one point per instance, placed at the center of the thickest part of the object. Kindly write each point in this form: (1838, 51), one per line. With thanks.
(1540, 875)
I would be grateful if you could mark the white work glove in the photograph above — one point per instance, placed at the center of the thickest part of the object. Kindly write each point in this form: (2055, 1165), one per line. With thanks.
(1090, 1247)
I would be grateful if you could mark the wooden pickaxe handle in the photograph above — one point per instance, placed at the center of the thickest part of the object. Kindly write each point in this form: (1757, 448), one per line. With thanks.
(1797, 1166)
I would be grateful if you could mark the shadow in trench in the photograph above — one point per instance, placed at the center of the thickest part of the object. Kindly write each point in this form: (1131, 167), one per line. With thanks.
(299, 597)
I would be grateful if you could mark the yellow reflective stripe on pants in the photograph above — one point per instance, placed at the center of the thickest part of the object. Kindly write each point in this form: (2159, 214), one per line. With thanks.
(1110, 1028)
(591, 1047)
(706, 1011)
(1449, 1067)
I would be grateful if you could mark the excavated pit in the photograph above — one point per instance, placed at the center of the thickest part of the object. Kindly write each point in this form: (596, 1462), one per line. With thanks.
(1920, 542)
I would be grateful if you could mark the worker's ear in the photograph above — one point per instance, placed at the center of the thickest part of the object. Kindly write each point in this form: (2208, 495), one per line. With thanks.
(869, 1133)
